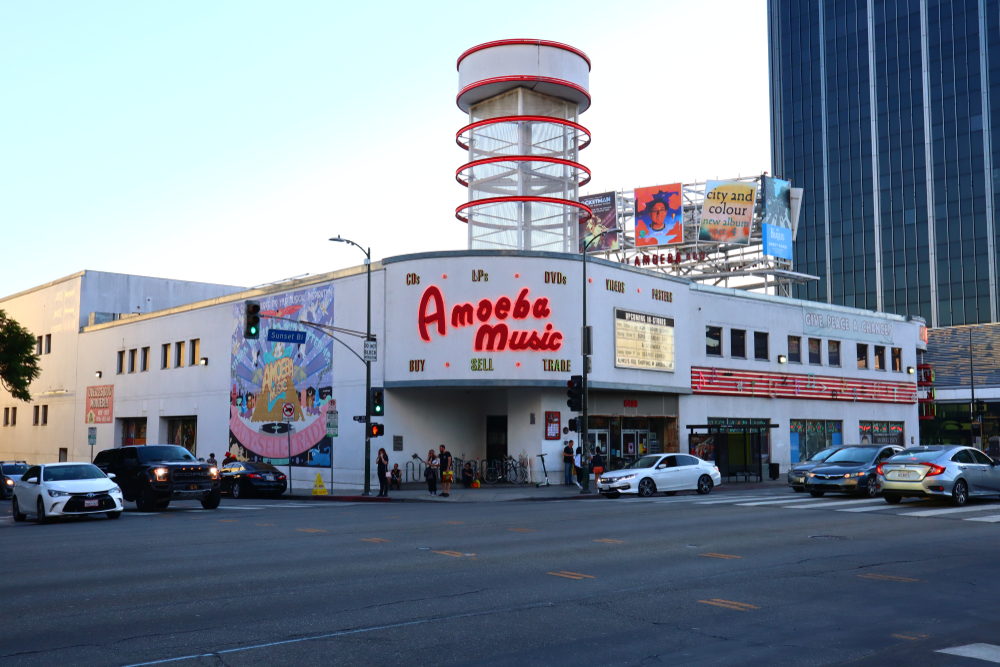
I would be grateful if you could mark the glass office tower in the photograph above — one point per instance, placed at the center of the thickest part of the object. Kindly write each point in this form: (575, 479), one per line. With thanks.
(882, 111)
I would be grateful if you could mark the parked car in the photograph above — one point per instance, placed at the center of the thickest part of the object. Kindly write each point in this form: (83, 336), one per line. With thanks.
(244, 478)
(850, 469)
(153, 475)
(10, 472)
(797, 473)
(65, 489)
(668, 473)
(956, 472)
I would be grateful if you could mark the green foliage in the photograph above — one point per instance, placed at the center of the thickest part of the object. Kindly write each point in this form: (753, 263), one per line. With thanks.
(18, 361)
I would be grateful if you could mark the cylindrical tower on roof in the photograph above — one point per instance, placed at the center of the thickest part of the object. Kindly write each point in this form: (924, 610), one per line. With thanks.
(524, 98)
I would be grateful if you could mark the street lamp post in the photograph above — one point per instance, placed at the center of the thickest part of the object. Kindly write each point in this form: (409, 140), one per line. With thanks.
(368, 371)
(586, 344)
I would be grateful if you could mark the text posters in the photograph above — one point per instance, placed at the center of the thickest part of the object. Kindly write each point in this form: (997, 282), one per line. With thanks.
(727, 212)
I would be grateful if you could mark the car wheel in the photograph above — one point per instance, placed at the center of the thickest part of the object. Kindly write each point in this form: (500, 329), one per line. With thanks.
(611, 494)
(114, 515)
(892, 499)
(162, 505)
(15, 508)
(145, 502)
(236, 490)
(871, 488)
(705, 485)
(817, 494)
(797, 489)
(670, 493)
(647, 488)
(212, 500)
(40, 512)
(960, 494)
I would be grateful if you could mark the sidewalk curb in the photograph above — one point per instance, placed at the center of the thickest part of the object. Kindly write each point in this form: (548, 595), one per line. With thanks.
(351, 499)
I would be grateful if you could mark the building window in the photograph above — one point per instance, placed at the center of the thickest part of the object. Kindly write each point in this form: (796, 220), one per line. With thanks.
(144, 360)
(45, 415)
(165, 356)
(63, 455)
(131, 361)
(36, 414)
(6, 416)
(862, 355)
(195, 351)
(760, 346)
(794, 350)
(713, 341)
(179, 354)
(809, 436)
(897, 360)
(833, 352)
(121, 362)
(13, 416)
(880, 357)
(882, 433)
(738, 343)
(48, 343)
(815, 353)
(38, 345)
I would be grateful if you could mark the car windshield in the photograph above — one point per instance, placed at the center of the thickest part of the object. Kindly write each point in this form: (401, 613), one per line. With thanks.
(823, 454)
(855, 455)
(67, 473)
(916, 456)
(164, 453)
(644, 462)
(14, 469)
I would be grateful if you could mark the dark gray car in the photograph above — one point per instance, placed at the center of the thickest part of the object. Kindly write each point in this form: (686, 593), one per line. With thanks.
(851, 469)
(797, 473)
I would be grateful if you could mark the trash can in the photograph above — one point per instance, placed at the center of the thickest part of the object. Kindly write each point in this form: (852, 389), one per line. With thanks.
(773, 470)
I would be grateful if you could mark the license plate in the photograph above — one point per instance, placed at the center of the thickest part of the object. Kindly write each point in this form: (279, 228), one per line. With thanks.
(798, 480)
(90, 503)
(194, 487)
(904, 474)
(269, 478)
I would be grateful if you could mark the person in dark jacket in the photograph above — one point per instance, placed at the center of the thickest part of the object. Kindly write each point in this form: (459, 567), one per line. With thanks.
(382, 464)
(468, 476)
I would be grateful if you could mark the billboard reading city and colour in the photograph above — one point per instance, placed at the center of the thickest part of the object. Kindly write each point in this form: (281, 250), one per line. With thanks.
(605, 216)
(727, 212)
(777, 230)
(659, 215)
(280, 391)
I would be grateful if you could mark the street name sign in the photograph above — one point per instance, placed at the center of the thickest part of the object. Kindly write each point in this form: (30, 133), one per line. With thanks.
(285, 336)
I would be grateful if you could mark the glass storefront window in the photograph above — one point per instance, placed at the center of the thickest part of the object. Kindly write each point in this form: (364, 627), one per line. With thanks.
(808, 436)
(882, 433)
(183, 431)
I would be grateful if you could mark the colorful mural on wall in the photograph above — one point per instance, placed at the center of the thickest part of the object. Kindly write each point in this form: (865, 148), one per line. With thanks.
(280, 391)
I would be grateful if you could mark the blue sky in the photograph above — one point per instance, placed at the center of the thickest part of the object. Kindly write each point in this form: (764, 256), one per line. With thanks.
(226, 141)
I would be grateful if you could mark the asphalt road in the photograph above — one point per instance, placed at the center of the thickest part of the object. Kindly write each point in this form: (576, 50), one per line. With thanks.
(688, 580)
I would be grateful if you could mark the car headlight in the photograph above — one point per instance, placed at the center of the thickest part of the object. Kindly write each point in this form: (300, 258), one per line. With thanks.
(161, 474)
(214, 472)
(622, 478)
(812, 474)
(10, 482)
(115, 489)
(55, 494)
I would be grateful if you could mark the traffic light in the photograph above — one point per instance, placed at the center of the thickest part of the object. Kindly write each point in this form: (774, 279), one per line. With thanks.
(375, 430)
(575, 393)
(378, 401)
(573, 425)
(980, 406)
(251, 320)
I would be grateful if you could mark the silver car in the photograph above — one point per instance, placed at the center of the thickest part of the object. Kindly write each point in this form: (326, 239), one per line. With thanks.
(939, 471)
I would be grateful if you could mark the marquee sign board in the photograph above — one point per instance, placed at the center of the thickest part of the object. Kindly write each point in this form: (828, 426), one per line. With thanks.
(644, 341)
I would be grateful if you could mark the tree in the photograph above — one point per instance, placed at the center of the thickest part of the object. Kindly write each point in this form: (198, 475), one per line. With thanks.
(18, 361)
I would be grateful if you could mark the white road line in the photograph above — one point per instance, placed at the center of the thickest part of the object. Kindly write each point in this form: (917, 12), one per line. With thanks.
(986, 519)
(743, 500)
(701, 499)
(987, 652)
(953, 510)
(887, 506)
(779, 502)
(140, 514)
(857, 501)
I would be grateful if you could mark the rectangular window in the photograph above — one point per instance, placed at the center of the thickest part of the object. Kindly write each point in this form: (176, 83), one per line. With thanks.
(897, 360)
(738, 343)
(121, 362)
(144, 360)
(713, 341)
(38, 345)
(794, 350)
(131, 361)
(862, 355)
(833, 352)
(179, 354)
(165, 356)
(815, 354)
(880, 357)
(195, 351)
(760, 350)
(63, 455)
(36, 414)
(48, 343)
(6, 416)
(45, 415)
(13, 416)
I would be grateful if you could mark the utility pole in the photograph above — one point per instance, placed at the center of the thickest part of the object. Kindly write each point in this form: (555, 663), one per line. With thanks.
(972, 387)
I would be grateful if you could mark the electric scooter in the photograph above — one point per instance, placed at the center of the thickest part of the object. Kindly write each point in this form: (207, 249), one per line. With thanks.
(546, 472)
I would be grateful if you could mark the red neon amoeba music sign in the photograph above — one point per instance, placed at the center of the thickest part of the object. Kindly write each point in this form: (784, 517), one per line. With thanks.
(495, 337)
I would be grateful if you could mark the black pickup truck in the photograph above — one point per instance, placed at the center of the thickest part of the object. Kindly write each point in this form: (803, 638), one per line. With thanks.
(153, 475)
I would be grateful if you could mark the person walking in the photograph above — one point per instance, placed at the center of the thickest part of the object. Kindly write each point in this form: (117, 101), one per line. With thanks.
(382, 464)
(580, 466)
(447, 473)
(598, 463)
(430, 472)
(568, 463)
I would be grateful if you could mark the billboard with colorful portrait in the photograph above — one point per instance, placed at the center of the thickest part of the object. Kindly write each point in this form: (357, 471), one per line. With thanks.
(727, 212)
(279, 387)
(605, 216)
(659, 215)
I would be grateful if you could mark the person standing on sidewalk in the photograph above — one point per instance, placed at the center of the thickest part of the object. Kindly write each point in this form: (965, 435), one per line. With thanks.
(568, 463)
(382, 465)
(579, 463)
(598, 463)
(430, 472)
(447, 473)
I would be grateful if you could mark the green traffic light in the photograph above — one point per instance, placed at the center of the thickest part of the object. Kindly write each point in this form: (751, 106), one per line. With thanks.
(253, 330)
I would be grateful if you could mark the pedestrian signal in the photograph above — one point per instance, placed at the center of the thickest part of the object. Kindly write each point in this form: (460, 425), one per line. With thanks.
(575, 393)
(375, 430)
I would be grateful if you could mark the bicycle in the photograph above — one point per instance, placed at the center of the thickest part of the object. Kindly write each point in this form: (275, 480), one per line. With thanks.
(509, 469)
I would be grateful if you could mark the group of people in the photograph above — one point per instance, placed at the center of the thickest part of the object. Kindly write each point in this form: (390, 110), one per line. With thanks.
(437, 464)
(574, 460)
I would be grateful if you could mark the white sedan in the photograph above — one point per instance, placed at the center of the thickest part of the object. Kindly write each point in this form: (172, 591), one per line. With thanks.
(65, 489)
(668, 473)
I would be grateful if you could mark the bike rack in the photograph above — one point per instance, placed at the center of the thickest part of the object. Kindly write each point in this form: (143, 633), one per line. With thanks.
(414, 471)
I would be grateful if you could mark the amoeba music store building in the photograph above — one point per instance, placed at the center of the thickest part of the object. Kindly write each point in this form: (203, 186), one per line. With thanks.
(475, 349)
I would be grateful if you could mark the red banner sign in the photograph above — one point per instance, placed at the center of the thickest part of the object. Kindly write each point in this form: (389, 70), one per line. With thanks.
(786, 385)
(100, 404)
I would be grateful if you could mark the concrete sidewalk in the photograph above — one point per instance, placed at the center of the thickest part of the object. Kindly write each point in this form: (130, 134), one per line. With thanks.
(504, 493)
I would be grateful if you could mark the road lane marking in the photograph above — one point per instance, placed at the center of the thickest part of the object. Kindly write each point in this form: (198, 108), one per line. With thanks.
(869, 509)
(453, 554)
(263, 524)
(521, 530)
(725, 556)
(229, 520)
(886, 577)
(786, 501)
(729, 604)
(986, 519)
(859, 501)
(310, 530)
(373, 539)
(607, 541)
(952, 510)
(454, 523)
(571, 575)
(914, 638)
(743, 500)
(987, 652)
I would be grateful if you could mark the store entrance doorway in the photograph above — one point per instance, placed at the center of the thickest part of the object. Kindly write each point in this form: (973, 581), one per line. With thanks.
(634, 444)
(496, 438)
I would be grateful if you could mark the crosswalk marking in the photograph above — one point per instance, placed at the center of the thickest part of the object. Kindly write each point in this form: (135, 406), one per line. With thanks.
(986, 519)
(780, 502)
(987, 652)
(876, 508)
(951, 510)
(856, 501)
(743, 499)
